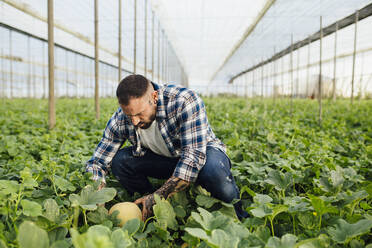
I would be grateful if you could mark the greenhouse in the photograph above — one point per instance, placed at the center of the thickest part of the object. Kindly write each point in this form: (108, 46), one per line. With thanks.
(160, 123)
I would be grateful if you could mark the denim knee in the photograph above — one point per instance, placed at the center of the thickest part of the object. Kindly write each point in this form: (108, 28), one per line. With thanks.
(228, 192)
(120, 161)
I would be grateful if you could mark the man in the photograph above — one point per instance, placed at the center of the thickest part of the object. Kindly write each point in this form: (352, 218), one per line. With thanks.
(171, 139)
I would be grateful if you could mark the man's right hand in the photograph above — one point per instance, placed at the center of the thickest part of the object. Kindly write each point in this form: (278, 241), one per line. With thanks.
(101, 186)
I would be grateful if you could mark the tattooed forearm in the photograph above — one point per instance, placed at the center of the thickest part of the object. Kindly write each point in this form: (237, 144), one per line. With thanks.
(171, 186)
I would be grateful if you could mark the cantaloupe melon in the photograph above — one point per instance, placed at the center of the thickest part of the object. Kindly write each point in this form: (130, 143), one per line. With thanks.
(127, 211)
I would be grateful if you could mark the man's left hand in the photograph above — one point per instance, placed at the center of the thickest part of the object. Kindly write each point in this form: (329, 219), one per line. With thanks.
(147, 202)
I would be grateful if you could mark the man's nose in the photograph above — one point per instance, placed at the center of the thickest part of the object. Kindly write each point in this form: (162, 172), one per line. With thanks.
(135, 120)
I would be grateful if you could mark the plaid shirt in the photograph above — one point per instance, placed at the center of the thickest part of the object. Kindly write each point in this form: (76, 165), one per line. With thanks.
(182, 123)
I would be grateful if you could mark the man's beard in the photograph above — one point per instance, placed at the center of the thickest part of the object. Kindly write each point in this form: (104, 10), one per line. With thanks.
(146, 125)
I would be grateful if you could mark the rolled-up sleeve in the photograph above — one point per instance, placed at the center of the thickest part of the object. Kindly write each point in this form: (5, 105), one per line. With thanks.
(193, 136)
(108, 146)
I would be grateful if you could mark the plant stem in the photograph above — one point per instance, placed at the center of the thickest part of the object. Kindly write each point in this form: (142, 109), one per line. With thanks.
(320, 221)
(76, 216)
(143, 229)
(272, 227)
(85, 217)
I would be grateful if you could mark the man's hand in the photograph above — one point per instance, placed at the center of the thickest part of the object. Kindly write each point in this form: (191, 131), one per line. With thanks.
(147, 202)
(170, 187)
(101, 186)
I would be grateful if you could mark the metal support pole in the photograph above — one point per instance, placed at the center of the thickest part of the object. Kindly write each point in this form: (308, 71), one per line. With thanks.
(274, 76)
(166, 62)
(135, 38)
(11, 64)
(334, 65)
(52, 112)
(145, 38)
(361, 78)
(158, 51)
(320, 72)
(152, 47)
(291, 64)
(34, 80)
(298, 73)
(3, 79)
(354, 53)
(307, 69)
(253, 79)
(162, 55)
(43, 71)
(282, 77)
(262, 73)
(28, 68)
(76, 75)
(96, 59)
(119, 41)
(66, 74)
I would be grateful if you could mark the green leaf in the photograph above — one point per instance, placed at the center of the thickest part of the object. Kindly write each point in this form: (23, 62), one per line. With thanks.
(8, 187)
(121, 238)
(30, 235)
(322, 241)
(132, 226)
(277, 210)
(296, 204)
(287, 241)
(180, 198)
(57, 234)
(321, 206)
(262, 199)
(63, 184)
(343, 232)
(77, 239)
(336, 178)
(27, 180)
(280, 180)
(206, 201)
(31, 208)
(245, 188)
(99, 230)
(261, 211)
(197, 232)
(60, 244)
(219, 238)
(98, 216)
(210, 221)
(164, 213)
(89, 197)
(180, 212)
(51, 210)
(2, 244)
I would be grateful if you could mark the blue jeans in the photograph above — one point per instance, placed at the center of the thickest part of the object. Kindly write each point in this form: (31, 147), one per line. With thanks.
(215, 176)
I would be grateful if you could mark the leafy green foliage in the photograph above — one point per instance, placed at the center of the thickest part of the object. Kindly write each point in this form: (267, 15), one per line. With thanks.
(343, 232)
(89, 197)
(302, 185)
(30, 235)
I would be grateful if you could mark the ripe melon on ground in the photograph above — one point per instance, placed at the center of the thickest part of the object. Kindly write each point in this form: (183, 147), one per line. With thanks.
(127, 211)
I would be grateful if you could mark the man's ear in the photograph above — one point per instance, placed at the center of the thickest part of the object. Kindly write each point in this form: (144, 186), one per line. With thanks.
(155, 95)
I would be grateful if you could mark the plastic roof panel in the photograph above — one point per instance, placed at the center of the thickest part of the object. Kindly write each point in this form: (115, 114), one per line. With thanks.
(286, 17)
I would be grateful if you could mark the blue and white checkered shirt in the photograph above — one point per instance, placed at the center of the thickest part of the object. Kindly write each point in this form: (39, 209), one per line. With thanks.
(183, 124)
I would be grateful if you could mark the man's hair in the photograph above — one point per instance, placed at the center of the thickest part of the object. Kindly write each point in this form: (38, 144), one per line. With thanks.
(132, 86)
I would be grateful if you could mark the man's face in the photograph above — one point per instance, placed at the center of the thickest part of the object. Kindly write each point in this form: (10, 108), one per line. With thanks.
(142, 111)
